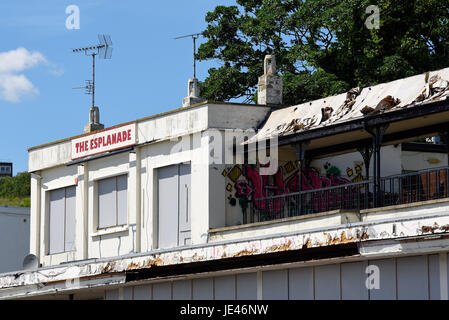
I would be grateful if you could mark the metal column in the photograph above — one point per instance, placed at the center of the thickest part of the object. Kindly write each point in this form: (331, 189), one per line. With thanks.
(300, 149)
(447, 145)
(377, 132)
(366, 151)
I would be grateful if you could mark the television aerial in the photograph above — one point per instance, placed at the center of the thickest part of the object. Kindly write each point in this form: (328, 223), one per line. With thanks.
(194, 36)
(104, 51)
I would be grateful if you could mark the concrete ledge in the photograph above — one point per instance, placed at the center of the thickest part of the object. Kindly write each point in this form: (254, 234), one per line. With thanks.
(406, 205)
(299, 223)
(271, 222)
(405, 210)
(326, 219)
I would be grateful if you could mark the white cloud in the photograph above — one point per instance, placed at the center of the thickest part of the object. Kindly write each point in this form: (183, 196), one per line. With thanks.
(19, 60)
(14, 85)
(56, 71)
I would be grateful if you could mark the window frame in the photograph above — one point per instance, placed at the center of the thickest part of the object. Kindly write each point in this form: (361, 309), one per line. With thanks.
(97, 204)
(49, 214)
(178, 192)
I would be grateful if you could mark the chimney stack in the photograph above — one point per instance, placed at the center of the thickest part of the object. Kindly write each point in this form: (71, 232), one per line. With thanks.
(193, 93)
(270, 84)
(94, 121)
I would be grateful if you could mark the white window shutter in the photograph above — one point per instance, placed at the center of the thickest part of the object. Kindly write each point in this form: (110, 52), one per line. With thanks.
(57, 221)
(70, 220)
(122, 200)
(107, 203)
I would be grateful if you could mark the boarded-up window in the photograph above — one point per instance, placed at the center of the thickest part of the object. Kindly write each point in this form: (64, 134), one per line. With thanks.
(113, 202)
(62, 220)
(174, 200)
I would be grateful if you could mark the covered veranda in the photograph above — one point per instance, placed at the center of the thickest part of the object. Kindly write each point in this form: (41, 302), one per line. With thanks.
(365, 121)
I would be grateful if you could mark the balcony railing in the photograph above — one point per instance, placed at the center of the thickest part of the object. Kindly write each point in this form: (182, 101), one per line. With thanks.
(394, 190)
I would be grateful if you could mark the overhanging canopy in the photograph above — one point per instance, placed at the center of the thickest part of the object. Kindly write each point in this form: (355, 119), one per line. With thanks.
(414, 106)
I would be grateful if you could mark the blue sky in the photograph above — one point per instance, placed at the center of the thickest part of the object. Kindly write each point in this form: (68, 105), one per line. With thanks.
(148, 72)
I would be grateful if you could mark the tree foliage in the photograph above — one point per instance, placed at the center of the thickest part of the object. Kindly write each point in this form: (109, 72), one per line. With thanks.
(322, 47)
(18, 186)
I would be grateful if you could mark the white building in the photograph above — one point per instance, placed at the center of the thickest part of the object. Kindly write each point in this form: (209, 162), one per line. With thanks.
(139, 210)
(14, 237)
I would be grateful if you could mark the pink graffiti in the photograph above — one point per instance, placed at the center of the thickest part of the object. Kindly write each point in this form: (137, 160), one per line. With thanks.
(260, 187)
(243, 189)
(257, 187)
(312, 180)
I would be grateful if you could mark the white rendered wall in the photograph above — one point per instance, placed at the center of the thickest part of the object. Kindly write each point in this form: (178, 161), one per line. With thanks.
(414, 160)
(156, 147)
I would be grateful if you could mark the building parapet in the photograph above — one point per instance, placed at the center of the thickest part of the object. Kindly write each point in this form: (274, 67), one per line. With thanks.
(160, 127)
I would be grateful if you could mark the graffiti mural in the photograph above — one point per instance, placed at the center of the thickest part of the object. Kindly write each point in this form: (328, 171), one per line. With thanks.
(247, 187)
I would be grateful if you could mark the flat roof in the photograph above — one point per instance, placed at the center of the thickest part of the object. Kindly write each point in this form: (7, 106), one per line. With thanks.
(209, 102)
(14, 210)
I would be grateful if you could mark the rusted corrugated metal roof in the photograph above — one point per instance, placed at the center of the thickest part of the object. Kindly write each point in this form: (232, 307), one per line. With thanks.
(356, 104)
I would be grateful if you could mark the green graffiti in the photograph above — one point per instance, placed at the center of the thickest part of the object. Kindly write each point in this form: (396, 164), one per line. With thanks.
(333, 170)
(244, 204)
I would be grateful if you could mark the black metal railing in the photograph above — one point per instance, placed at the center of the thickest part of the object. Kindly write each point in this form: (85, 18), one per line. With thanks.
(414, 187)
(399, 189)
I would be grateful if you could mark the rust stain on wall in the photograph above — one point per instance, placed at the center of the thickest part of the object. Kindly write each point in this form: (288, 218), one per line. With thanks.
(109, 267)
(307, 244)
(432, 229)
(324, 239)
(133, 266)
(245, 253)
(157, 261)
(362, 236)
(435, 227)
(197, 257)
(343, 238)
(281, 247)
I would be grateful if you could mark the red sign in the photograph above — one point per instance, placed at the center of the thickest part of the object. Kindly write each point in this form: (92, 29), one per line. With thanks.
(103, 141)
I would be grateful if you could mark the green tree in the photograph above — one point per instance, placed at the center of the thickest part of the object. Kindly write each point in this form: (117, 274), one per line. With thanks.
(18, 186)
(322, 47)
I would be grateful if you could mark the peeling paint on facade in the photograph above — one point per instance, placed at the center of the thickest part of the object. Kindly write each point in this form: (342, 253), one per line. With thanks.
(359, 232)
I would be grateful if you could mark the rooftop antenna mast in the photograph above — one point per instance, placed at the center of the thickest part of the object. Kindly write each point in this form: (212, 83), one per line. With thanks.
(194, 37)
(104, 51)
